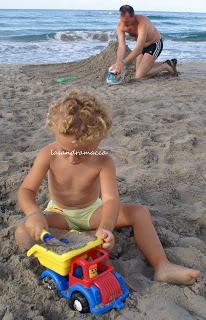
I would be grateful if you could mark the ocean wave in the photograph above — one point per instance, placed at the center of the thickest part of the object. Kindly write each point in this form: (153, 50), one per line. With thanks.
(33, 37)
(85, 35)
(169, 23)
(162, 17)
(67, 36)
(77, 36)
(190, 37)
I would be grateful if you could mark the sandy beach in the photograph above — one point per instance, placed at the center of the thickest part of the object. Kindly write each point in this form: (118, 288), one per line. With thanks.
(158, 141)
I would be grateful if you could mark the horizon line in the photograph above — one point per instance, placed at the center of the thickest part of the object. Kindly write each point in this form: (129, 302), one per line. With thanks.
(100, 10)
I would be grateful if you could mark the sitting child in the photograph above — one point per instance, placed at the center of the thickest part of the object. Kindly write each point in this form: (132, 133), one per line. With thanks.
(78, 171)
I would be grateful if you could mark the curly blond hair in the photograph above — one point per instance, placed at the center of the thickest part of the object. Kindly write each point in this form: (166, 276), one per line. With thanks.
(79, 114)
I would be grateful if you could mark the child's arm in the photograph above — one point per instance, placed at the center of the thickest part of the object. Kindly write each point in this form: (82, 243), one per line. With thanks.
(27, 193)
(28, 189)
(110, 195)
(110, 199)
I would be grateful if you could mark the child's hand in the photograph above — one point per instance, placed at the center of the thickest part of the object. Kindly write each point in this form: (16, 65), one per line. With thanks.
(35, 225)
(108, 238)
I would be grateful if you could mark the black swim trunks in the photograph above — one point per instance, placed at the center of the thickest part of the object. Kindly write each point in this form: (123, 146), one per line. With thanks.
(154, 49)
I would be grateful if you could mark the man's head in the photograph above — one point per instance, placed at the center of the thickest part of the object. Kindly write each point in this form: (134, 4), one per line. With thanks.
(79, 121)
(127, 15)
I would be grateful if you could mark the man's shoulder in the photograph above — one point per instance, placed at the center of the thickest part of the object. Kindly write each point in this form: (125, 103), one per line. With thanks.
(141, 18)
(120, 26)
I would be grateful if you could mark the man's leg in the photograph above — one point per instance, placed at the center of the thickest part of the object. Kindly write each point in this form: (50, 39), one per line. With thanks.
(148, 242)
(57, 226)
(139, 60)
(147, 67)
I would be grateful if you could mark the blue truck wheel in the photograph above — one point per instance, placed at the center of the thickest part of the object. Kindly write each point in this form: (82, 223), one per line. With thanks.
(49, 284)
(79, 302)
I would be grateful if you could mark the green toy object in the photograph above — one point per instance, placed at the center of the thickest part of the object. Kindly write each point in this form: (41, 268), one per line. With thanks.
(65, 79)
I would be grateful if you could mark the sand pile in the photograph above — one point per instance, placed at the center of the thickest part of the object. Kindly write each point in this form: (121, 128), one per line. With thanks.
(158, 141)
(76, 241)
(92, 70)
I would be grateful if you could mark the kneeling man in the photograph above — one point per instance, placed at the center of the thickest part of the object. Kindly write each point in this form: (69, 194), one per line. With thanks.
(149, 45)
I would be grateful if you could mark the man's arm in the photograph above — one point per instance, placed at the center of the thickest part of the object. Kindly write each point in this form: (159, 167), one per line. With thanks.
(142, 35)
(121, 45)
(110, 196)
(28, 189)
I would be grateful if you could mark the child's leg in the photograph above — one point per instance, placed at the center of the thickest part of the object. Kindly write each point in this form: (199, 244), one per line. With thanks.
(148, 242)
(57, 226)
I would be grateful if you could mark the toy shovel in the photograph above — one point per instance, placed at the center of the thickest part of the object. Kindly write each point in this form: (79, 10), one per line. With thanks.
(47, 237)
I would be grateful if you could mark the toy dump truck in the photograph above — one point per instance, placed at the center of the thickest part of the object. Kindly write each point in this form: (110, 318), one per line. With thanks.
(84, 276)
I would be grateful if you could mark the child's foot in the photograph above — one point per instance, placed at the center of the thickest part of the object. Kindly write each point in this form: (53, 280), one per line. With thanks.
(173, 273)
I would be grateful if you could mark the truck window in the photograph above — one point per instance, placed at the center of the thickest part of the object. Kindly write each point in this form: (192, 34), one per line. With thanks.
(78, 272)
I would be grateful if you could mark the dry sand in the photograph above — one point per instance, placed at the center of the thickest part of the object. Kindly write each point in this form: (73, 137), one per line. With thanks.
(158, 141)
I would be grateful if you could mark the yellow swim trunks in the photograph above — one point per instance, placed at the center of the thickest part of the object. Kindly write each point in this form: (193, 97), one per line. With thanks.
(77, 219)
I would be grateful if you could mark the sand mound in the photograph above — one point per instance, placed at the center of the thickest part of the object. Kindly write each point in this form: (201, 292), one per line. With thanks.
(92, 70)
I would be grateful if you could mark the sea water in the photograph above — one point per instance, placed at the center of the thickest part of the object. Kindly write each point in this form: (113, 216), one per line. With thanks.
(56, 36)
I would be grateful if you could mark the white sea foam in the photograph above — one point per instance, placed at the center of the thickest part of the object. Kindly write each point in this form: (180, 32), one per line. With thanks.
(85, 36)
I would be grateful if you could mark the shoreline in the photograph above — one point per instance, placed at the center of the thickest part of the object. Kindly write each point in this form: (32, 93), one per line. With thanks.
(187, 70)
(113, 43)
(106, 57)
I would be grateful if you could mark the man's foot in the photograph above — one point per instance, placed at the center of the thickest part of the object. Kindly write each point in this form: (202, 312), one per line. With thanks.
(172, 66)
(173, 273)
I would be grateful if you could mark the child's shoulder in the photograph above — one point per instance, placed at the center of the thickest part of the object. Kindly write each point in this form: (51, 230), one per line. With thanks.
(105, 158)
(46, 151)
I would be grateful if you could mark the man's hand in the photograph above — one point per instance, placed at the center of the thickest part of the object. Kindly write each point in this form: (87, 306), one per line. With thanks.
(117, 68)
(108, 238)
(35, 225)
